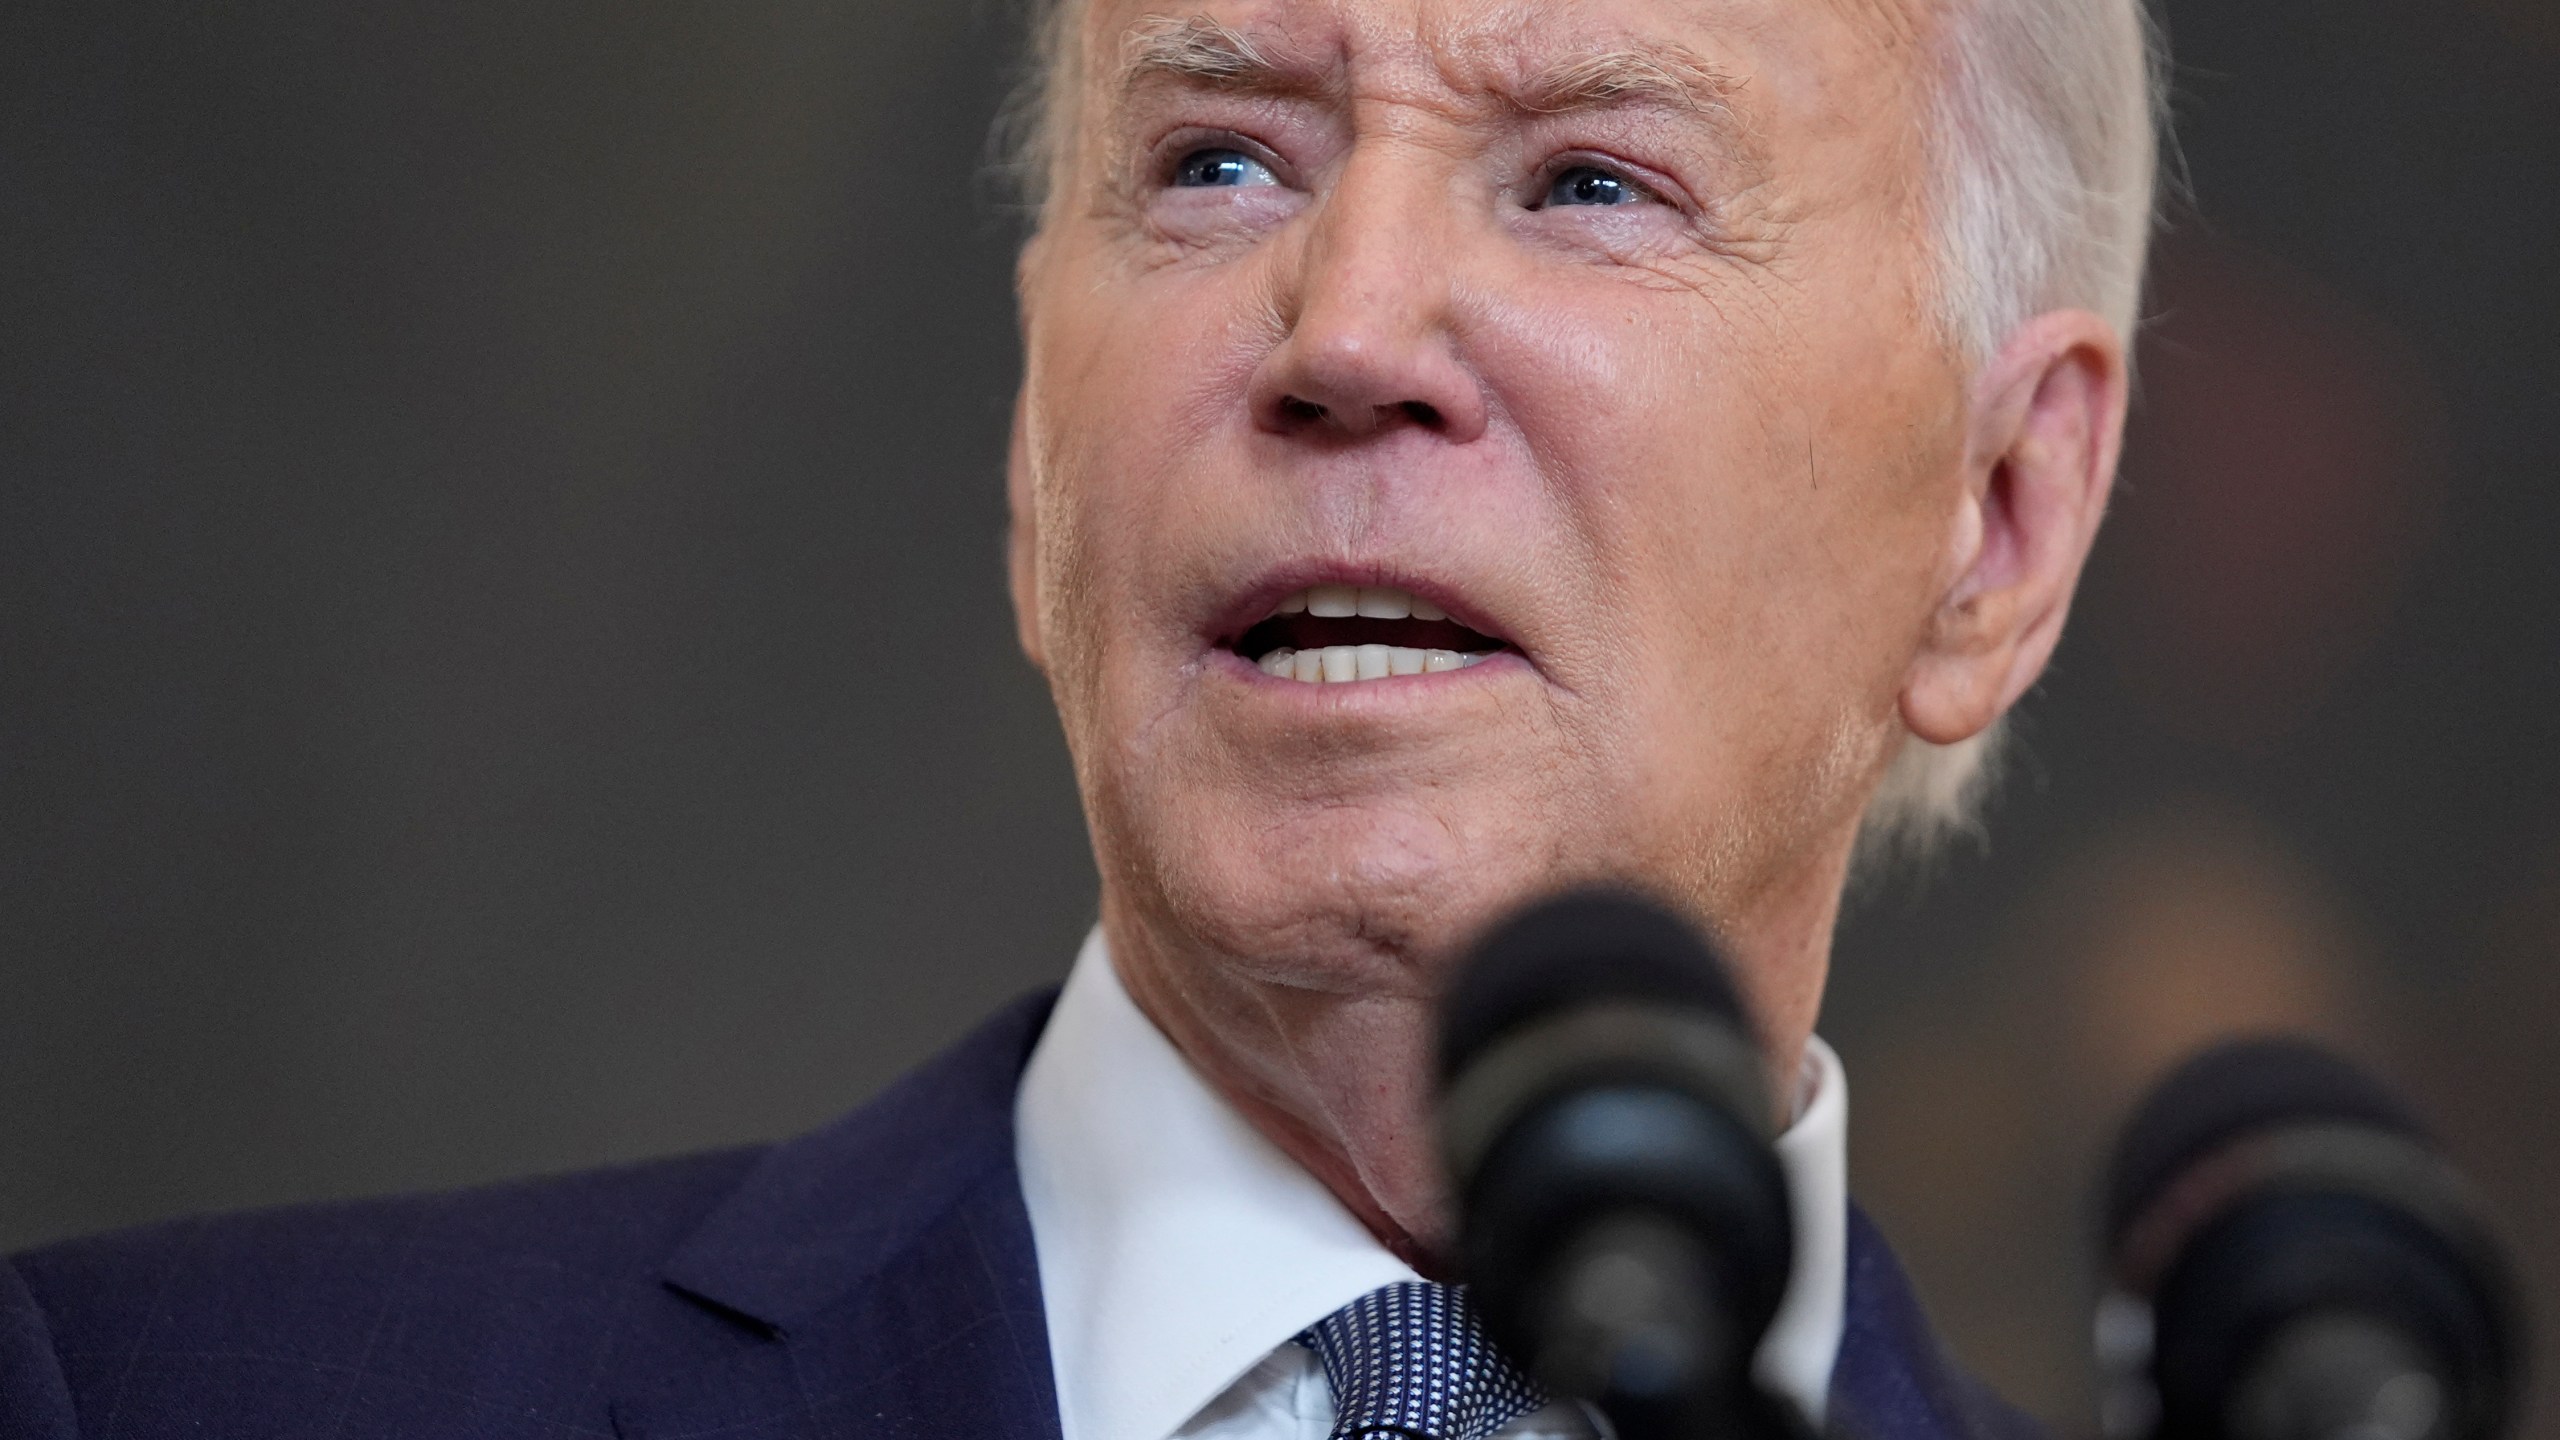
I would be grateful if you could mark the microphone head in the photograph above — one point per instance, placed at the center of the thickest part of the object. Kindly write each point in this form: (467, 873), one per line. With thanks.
(1584, 947)
(1604, 1116)
(2290, 1258)
(2234, 1089)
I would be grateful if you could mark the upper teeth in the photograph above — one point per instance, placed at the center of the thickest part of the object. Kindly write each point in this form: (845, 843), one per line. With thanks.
(1334, 664)
(1377, 602)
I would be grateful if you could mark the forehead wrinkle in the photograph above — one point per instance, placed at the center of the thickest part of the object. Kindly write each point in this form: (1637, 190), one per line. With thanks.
(1203, 51)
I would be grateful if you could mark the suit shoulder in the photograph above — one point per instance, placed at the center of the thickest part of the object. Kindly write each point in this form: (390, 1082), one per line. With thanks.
(521, 1309)
(305, 1293)
(594, 1222)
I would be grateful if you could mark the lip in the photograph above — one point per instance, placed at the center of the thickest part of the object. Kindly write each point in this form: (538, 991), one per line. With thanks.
(1257, 601)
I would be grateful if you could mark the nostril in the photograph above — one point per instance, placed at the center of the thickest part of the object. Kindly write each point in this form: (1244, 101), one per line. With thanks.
(1426, 416)
(1296, 409)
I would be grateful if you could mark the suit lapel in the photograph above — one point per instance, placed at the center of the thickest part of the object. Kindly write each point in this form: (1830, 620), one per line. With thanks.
(1893, 1381)
(876, 1278)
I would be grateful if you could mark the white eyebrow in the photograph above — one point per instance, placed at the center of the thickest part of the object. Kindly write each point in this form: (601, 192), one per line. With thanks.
(1204, 52)
(1669, 76)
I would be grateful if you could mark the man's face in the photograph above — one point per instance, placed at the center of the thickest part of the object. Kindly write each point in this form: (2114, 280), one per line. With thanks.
(1599, 326)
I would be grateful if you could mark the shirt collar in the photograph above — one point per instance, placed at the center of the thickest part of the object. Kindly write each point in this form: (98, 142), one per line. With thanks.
(1178, 1247)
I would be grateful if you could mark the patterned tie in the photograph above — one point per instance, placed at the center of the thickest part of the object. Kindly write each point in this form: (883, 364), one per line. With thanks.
(1411, 1359)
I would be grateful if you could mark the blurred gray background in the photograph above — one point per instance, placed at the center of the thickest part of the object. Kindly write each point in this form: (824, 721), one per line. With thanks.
(504, 664)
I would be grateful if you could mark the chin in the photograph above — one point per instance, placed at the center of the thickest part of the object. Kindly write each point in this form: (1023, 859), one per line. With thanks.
(1372, 897)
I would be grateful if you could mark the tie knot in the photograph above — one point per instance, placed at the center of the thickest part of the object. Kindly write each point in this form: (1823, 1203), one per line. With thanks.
(1412, 1359)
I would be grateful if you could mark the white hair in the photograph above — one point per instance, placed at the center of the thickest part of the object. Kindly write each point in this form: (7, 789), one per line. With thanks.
(2046, 123)
(2044, 147)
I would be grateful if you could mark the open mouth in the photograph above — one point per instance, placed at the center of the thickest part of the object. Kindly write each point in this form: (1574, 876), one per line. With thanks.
(1335, 634)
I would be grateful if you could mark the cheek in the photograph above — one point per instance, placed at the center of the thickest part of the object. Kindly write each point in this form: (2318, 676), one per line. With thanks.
(1150, 364)
(1755, 561)
(1125, 393)
(1677, 449)
(1149, 356)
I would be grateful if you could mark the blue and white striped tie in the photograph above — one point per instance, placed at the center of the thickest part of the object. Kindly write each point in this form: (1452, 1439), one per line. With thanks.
(1411, 1359)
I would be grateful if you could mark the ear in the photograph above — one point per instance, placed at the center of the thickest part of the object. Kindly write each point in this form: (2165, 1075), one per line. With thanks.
(2046, 427)
(1022, 536)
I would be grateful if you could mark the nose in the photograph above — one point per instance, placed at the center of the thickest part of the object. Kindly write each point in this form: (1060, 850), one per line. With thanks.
(1371, 338)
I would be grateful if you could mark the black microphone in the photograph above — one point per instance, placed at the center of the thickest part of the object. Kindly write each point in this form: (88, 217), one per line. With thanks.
(1623, 1219)
(2290, 1258)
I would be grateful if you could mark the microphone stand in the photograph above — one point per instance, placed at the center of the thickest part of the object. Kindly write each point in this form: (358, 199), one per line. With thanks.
(1634, 1322)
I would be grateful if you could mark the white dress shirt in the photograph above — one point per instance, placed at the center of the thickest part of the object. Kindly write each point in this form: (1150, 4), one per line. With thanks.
(1181, 1252)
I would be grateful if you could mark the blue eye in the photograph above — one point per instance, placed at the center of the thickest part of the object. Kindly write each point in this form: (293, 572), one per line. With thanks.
(1590, 185)
(1221, 169)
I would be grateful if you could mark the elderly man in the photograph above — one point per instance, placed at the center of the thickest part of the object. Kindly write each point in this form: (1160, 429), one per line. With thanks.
(1466, 448)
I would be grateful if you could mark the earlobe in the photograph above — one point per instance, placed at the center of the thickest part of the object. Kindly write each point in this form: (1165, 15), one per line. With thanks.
(2046, 427)
(1022, 538)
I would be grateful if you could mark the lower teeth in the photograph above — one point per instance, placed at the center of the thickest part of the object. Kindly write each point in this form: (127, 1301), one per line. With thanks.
(1335, 664)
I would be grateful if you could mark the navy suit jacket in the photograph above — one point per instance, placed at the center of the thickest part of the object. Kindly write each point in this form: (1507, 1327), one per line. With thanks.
(875, 1278)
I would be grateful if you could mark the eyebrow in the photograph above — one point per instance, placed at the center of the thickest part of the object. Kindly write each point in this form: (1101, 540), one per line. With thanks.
(1202, 52)
(1205, 53)
(1669, 77)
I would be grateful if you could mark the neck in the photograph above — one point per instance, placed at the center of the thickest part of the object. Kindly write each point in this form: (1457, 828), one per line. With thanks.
(1341, 1079)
